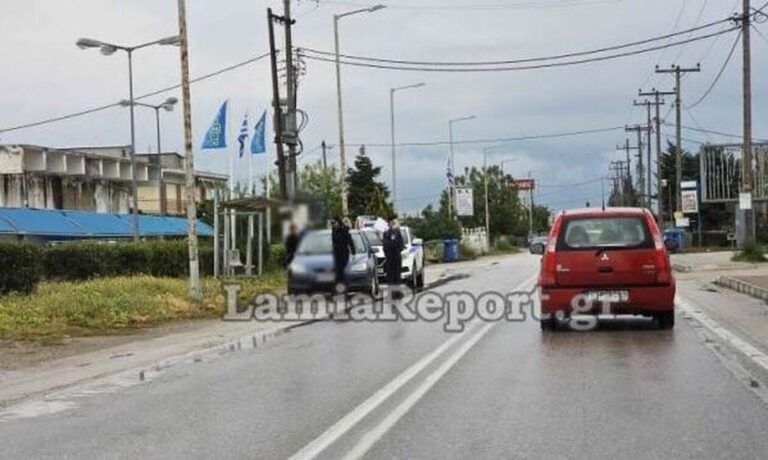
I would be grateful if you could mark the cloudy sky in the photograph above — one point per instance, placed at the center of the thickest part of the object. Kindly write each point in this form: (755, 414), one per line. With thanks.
(44, 75)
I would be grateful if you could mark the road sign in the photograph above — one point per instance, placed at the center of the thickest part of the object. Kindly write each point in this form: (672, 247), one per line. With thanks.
(682, 222)
(464, 202)
(525, 184)
(689, 185)
(690, 201)
(745, 201)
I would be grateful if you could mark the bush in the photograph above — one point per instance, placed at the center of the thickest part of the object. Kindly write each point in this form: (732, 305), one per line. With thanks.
(275, 257)
(22, 267)
(752, 252)
(466, 253)
(503, 246)
(86, 260)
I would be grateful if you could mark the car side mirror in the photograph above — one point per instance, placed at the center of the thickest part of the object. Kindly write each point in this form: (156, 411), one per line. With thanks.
(537, 249)
(671, 245)
(418, 242)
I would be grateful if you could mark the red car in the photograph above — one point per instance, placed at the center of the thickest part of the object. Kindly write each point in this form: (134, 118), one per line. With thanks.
(606, 261)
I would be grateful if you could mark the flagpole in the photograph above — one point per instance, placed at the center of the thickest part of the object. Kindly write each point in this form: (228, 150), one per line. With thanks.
(233, 222)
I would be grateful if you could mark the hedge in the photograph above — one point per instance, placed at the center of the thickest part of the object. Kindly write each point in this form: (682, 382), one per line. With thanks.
(21, 267)
(24, 265)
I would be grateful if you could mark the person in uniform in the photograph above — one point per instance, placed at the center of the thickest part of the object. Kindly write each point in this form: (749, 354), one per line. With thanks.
(342, 248)
(393, 249)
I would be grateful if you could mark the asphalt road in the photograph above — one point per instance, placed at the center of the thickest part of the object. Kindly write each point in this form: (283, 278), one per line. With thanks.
(411, 390)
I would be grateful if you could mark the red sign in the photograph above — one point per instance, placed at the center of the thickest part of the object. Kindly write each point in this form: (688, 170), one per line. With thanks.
(525, 184)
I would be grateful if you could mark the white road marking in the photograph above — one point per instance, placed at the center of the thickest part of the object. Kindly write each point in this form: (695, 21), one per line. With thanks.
(757, 356)
(340, 428)
(373, 436)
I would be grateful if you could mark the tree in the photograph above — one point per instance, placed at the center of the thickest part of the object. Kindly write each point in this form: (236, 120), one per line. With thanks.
(364, 188)
(322, 184)
(434, 224)
(505, 210)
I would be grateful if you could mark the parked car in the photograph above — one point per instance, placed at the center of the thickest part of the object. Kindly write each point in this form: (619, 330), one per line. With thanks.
(538, 244)
(413, 259)
(312, 268)
(616, 255)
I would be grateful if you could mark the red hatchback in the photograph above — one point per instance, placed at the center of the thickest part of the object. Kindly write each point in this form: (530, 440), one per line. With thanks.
(606, 261)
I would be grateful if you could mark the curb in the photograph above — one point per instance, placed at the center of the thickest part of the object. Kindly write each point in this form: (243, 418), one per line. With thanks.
(743, 287)
(682, 268)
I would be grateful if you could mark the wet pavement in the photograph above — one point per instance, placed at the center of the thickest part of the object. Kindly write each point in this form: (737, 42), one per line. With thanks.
(412, 390)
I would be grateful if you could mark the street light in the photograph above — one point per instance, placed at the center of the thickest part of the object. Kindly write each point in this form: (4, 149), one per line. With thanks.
(392, 92)
(453, 163)
(342, 147)
(108, 49)
(168, 106)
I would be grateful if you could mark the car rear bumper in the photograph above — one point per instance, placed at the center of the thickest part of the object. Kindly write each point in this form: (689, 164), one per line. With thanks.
(642, 300)
(310, 284)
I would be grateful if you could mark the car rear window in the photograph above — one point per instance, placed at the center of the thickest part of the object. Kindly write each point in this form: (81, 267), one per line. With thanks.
(316, 244)
(373, 237)
(584, 233)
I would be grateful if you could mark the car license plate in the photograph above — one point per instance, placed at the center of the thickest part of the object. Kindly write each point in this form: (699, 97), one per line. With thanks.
(325, 277)
(608, 296)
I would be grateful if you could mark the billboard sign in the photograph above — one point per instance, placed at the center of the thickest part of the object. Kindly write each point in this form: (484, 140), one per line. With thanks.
(464, 202)
(690, 201)
(525, 184)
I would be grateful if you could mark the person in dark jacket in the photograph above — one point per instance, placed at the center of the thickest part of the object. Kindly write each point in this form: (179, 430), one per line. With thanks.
(342, 248)
(393, 249)
(291, 244)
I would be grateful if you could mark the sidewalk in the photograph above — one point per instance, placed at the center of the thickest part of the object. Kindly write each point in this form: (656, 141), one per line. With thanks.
(136, 356)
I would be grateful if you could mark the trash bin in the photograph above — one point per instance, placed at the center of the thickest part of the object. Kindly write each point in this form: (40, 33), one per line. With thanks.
(450, 250)
(677, 235)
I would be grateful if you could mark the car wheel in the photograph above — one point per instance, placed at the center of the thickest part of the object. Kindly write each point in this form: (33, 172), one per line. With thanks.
(413, 282)
(666, 320)
(420, 279)
(375, 288)
(548, 324)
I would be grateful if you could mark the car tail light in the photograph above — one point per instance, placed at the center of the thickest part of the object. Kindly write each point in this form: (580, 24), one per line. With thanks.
(663, 268)
(547, 276)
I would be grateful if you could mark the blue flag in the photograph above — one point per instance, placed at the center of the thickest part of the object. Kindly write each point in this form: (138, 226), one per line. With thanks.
(258, 144)
(216, 136)
(243, 135)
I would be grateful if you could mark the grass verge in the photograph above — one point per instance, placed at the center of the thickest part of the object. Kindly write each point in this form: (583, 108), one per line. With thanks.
(751, 253)
(55, 310)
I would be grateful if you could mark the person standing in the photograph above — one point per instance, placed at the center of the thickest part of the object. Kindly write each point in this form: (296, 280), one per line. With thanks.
(393, 251)
(342, 248)
(291, 244)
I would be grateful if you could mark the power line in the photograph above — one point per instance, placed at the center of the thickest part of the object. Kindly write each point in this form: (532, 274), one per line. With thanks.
(519, 68)
(538, 4)
(143, 96)
(719, 74)
(497, 140)
(515, 61)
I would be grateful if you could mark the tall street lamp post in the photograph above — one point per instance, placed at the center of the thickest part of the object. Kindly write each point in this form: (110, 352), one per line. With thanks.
(453, 162)
(342, 149)
(108, 49)
(168, 106)
(392, 92)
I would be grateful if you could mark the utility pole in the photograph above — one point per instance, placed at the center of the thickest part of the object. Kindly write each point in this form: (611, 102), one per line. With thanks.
(627, 184)
(657, 102)
(325, 160)
(276, 104)
(195, 291)
(640, 171)
(290, 134)
(679, 71)
(648, 150)
(746, 231)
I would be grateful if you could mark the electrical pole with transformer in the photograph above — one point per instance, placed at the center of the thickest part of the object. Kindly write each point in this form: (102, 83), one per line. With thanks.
(679, 71)
(657, 102)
